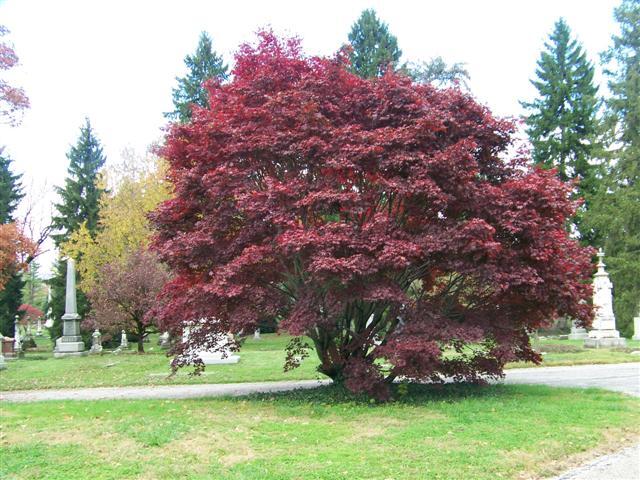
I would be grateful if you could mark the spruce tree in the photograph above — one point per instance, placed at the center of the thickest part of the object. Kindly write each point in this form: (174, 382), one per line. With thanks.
(10, 189)
(203, 65)
(374, 48)
(614, 217)
(561, 123)
(80, 195)
(80, 203)
(10, 196)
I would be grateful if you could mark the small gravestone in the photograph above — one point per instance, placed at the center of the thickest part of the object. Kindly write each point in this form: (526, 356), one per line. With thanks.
(604, 333)
(17, 341)
(636, 327)
(7, 348)
(124, 344)
(3, 365)
(96, 342)
(219, 354)
(577, 332)
(256, 334)
(164, 341)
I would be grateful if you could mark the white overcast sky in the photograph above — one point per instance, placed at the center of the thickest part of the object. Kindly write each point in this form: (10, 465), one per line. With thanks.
(116, 61)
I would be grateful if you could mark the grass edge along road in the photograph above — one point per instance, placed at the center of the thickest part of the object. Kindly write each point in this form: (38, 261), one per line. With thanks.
(260, 361)
(446, 432)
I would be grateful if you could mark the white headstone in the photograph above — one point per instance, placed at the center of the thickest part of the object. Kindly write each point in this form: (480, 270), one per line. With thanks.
(124, 343)
(221, 354)
(96, 342)
(256, 334)
(164, 340)
(604, 333)
(17, 341)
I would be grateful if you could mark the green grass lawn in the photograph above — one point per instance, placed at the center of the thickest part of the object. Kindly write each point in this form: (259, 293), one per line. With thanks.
(572, 352)
(260, 360)
(451, 432)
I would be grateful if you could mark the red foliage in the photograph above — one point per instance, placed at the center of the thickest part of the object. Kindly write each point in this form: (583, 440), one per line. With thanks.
(125, 295)
(15, 251)
(12, 99)
(30, 313)
(377, 217)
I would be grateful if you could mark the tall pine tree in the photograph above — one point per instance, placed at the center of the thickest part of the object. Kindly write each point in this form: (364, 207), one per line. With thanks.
(80, 203)
(562, 123)
(374, 48)
(203, 65)
(10, 196)
(80, 195)
(614, 216)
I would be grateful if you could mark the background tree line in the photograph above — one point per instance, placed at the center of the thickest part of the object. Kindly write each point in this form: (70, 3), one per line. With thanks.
(587, 135)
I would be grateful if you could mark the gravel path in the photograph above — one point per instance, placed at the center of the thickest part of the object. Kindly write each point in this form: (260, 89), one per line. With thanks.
(159, 392)
(623, 377)
(623, 465)
(619, 377)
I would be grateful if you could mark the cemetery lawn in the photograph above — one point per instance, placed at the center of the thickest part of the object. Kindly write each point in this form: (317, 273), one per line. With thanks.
(572, 352)
(451, 432)
(260, 361)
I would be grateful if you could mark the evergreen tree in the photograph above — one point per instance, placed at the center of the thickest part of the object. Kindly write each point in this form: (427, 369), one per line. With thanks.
(562, 124)
(614, 217)
(10, 196)
(374, 48)
(205, 64)
(34, 292)
(81, 194)
(80, 204)
(10, 189)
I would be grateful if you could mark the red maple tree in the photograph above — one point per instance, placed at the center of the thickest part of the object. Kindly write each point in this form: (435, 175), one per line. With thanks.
(125, 294)
(13, 100)
(30, 313)
(379, 218)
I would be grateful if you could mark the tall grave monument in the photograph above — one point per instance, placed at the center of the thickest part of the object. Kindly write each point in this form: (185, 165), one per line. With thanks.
(70, 344)
(604, 333)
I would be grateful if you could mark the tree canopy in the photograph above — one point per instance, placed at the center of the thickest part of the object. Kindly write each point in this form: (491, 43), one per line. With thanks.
(614, 216)
(561, 123)
(377, 218)
(125, 295)
(137, 187)
(374, 49)
(205, 64)
(13, 245)
(79, 198)
(13, 100)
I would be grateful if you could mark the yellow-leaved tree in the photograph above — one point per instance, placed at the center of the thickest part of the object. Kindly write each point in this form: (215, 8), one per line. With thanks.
(134, 188)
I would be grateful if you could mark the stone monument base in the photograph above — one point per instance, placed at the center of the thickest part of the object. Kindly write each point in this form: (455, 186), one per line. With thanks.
(214, 358)
(578, 335)
(70, 354)
(69, 349)
(636, 328)
(606, 342)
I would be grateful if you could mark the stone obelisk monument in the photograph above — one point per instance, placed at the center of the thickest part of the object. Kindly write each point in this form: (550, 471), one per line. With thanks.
(604, 333)
(70, 344)
(636, 326)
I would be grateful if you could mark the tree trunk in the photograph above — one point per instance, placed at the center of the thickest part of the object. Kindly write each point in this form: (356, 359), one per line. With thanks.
(140, 344)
